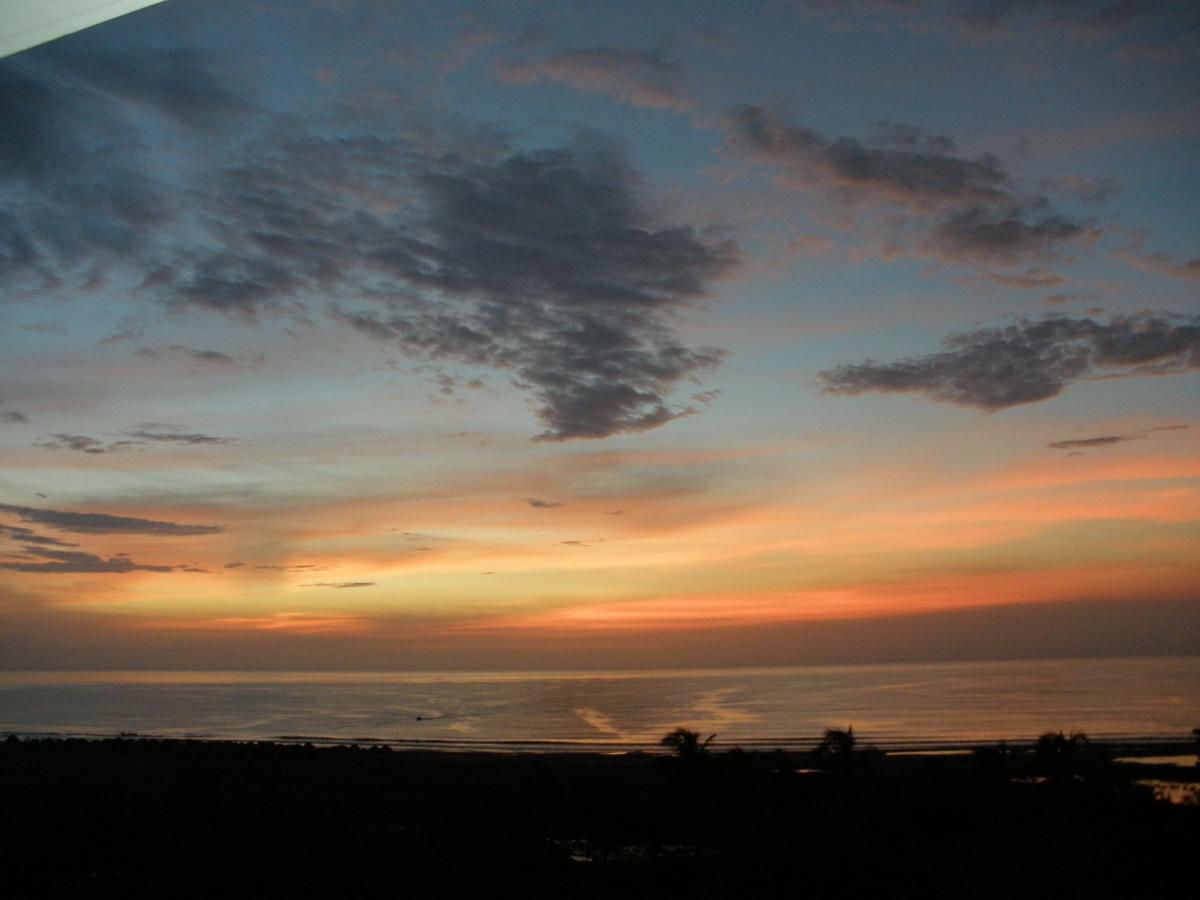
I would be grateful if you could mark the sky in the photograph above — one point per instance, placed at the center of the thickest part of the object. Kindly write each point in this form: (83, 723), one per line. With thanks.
(391, 335)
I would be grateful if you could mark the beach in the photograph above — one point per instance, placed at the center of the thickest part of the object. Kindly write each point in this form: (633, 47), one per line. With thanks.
(144, 817)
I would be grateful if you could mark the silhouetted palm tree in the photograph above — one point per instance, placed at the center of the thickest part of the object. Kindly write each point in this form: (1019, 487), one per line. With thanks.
(837, 744)
(686, 744)
(839, 750)
(1072, 757)
(1061, 753)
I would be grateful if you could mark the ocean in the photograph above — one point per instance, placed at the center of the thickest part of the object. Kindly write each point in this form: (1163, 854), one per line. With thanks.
(891, 706)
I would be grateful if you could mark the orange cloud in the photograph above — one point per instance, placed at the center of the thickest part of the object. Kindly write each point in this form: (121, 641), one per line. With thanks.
(919, 592)
(290, 622)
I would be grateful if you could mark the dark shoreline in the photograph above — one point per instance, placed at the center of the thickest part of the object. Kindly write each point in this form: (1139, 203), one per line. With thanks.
(148, 817)
(1115, 745)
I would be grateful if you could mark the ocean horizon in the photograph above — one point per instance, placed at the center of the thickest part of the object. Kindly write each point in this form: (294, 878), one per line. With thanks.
(889, 705)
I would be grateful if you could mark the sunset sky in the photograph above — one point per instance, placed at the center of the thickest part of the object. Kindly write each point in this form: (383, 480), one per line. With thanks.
(518, 335)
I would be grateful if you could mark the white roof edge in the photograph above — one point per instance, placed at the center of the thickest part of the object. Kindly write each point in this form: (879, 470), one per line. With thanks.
(27, 23)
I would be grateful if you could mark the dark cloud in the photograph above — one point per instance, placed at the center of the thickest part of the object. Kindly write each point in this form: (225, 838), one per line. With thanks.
(61, 221)
(209, 357)
(1088, 19)
(1107, 440)
(177, 83)
(594, 372)
(1160, 264)
(1030, 361)
(564, 226)
(81, 443)
(539, 503)
(342, 584)
(150, 433)
(1006, 233)
(548, 265)
(234, 565)
(102, 523)
(78, 442)
(238, 284)
(295, 567)
(977, 211)
(449, 385)
(1084, 20)
(67, 224)
(28, 536)
(70, 561)
(38, 137)
(13, 416)
(1101, 441)
(437, 237)
(910, 167)
(161, 437)
(637, 77)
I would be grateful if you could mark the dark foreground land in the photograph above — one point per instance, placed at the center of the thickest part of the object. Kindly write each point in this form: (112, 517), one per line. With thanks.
(193, 819)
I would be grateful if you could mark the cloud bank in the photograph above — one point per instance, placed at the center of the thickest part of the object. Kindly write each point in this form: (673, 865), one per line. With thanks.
(71, 561)
(978, 215)
(435, 236)
(103, 523)
(1030, 361)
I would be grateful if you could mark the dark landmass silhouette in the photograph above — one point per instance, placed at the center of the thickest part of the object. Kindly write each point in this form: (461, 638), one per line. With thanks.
(165, 818)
